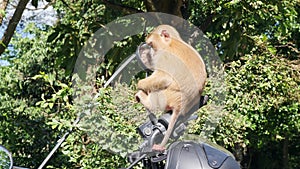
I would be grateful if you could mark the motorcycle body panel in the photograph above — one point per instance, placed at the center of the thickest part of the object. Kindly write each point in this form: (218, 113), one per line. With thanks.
(191, 155)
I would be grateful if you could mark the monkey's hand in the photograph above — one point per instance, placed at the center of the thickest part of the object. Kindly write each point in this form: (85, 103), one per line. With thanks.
(159, 148)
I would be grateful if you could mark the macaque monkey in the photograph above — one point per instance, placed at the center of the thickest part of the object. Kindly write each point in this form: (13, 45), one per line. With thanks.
(178, 77)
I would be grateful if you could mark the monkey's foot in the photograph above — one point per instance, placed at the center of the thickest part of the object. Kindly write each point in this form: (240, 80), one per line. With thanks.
(158, 148)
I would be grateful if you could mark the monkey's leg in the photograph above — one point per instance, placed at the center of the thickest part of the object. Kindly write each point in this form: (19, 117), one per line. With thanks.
(157, 81)
(143, 98)
(154, 101)
(169, 131)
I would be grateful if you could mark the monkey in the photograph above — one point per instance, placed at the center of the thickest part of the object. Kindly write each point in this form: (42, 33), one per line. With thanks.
(178, 78)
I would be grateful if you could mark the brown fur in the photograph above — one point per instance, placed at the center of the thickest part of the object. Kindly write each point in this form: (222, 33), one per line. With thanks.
(178, 79)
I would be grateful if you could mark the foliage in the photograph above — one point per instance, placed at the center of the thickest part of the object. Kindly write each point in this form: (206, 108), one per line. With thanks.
(24, 128)
(36, 109)
(231, 24)
(258, 41)
(264, 90)
(113, 124)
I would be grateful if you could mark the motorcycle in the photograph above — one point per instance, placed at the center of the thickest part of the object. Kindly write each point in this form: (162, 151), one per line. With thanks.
(180, 154)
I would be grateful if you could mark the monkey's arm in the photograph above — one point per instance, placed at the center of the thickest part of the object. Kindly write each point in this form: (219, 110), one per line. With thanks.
(157, 81)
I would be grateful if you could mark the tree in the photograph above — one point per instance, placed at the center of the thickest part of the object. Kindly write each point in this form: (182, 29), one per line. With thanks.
(258, 41)
(12, 25)
(265, 90)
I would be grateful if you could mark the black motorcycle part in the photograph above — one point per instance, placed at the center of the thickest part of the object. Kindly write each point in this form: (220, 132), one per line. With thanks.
(191, 155)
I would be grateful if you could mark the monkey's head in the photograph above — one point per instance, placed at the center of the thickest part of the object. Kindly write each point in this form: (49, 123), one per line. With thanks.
(162, 36)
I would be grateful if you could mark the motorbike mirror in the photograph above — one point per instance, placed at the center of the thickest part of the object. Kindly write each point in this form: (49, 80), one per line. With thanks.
(144, 55)
(6, 160)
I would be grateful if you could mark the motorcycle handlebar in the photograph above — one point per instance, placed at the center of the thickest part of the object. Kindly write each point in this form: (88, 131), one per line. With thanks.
(153, 130)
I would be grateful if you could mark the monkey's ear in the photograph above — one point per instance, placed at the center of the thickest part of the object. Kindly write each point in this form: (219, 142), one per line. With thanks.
(165, 35)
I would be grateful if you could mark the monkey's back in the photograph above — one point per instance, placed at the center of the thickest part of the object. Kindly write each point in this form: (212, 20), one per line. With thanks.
(183, 87)
(193, 61)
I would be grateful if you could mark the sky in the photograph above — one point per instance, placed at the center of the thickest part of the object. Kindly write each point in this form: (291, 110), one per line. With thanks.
(39, 16)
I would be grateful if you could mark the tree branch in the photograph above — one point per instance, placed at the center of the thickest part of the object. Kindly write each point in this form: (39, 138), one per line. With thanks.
(13, 22)
(125, 9)
(34, 9)
(204, 26)
(174, 7)
(68, 6)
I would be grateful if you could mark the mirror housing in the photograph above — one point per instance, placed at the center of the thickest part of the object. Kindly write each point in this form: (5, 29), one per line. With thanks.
(145, 55)
(6, 160)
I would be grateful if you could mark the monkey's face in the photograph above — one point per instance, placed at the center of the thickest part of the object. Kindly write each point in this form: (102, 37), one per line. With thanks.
(158, 39)
(161, 37)
(154, 40)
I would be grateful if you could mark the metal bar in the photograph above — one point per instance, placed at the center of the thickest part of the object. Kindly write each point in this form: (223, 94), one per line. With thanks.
(136, 161)
(59, 142)
(119, 70)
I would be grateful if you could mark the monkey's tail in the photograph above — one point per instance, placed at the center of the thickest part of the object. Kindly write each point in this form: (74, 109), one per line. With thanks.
(170, 129)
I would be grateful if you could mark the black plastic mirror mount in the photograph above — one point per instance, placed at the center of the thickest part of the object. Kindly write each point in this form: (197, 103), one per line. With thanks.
(6, 160)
